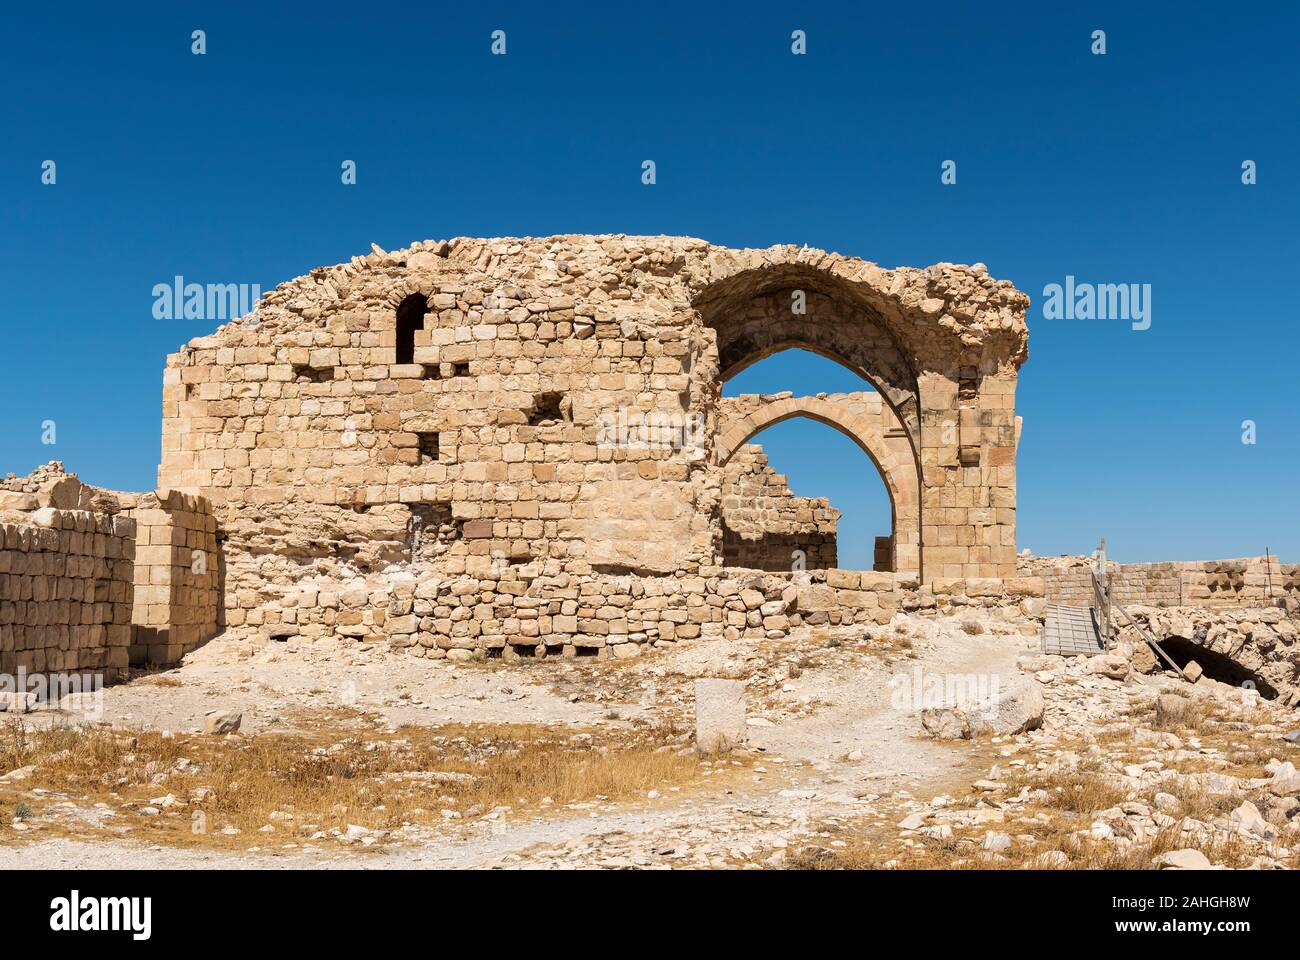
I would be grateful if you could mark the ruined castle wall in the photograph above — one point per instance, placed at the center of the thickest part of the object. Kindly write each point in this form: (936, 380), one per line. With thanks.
(93, 578)
(177, 592)
(464, 405)
(65, 592)
(765, 526)
(1246, 581)
(866, 419)
(523, 613)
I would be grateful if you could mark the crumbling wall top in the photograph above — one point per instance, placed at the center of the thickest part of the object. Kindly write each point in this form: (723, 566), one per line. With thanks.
(936, 312)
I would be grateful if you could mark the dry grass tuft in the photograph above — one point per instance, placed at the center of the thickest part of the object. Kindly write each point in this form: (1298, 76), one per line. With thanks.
(1082, 793)
(332, 776)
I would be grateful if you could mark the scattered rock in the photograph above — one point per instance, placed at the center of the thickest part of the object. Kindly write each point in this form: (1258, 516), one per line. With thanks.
(945, 723)
(995, 842)
(16, 701)
(222, 721)
(1144, 659)
(1184, 860)
(1109, 665)
(719, 715)
(1017, 709)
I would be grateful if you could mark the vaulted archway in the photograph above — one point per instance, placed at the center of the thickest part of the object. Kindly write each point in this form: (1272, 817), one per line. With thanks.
(757, 313)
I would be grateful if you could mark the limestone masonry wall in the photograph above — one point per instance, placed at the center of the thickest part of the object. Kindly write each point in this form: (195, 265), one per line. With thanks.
(524, 613)
(66, 567)
(65, 593)
(177, 597)
(764, 523)
(1245, 581)
(95, 580)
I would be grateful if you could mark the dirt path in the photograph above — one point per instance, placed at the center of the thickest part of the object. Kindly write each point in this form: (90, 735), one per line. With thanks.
(851, 748)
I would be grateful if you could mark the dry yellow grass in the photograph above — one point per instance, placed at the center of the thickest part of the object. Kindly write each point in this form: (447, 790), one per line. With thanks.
(1081, 792)
(325, 778)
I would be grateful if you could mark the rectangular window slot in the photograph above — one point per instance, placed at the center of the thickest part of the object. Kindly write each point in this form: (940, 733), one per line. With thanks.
(445, 371)
(546, 410)
(304, 373)
(428, 443)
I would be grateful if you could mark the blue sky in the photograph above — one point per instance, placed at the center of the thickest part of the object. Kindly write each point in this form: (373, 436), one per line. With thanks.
(1123, 168)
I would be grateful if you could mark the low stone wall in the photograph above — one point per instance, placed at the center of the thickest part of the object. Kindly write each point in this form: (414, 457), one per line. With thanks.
(65, 592)
(1068, 581)
(95, 578)
(1247, 581)
(177, 597)
(522, 613)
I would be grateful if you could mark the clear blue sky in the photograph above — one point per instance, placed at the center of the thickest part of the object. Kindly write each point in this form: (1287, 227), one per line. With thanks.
(1117, 168)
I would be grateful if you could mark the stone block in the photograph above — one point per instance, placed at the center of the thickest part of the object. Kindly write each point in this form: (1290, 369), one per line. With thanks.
(719, 715)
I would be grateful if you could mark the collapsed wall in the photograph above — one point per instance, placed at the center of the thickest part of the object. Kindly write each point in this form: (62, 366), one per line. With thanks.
(469, 408)
(765, 526)
(1234, 618)
(1258, 647)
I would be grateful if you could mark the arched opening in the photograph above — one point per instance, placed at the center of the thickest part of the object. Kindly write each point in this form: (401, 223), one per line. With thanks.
(796, 496)
(761, 313)
(794, 427)
(1216, 665)
(757, 313)
(410, 317)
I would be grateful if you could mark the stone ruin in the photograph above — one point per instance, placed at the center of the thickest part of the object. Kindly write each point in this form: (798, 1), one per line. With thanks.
(522, 442)
(96, 580)
(519, 447)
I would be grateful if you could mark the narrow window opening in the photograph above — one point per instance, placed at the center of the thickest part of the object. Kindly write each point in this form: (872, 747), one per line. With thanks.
(428, 444)
(410, 317)
(445, 371)
(304, 373)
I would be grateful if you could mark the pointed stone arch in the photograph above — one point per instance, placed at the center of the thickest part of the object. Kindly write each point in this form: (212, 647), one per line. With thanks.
(756, 313)
(866, 420)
